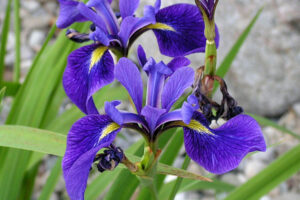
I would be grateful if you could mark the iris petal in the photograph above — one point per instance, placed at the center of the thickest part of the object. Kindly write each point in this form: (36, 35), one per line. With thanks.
(187, 35)
(68, 13)
(86, 137)
(178, 62)
(128, 7)
(176, 85)
(89, 68)
(221, 150)
(129, 76)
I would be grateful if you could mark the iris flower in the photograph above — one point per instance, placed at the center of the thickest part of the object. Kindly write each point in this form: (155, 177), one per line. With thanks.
(179, 30)
(217, 150)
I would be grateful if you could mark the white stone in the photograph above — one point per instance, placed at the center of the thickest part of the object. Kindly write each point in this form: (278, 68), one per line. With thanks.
(36, 38)
(296, 108)
(253, 167)
(31, 6)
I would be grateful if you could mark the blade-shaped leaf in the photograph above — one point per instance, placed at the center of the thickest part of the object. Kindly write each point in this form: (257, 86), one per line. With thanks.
(278, 171)
(17, 27)
(4, 35)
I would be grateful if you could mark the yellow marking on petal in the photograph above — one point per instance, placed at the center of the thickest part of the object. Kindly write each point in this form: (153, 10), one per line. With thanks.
(97, 55)
(109, 129)
(160, 26)
(195, 125)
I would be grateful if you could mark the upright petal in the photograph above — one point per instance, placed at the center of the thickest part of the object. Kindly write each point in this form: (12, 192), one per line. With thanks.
(89, 68)
(129, 76)
(68, 13)
(92, 16)
(178, 62)
(86, 137)
(179, 30)
(128, 7)
(152, 115)
(221, 150)
(142, 58)
(157, 73)
(104, 10)
(176, 85)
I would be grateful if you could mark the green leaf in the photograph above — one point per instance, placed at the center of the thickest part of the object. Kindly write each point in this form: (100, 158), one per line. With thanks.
(51, 182)
(266, 122)
(191, 185)
(178, 181)
(278, 171)
(17, 26)
(2, 93)
(32, 139)
(11, 88)
(231, 55)
(4, 35)
(29, 109)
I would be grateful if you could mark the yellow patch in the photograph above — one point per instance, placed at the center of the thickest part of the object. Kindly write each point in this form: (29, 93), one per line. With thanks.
(97, 55)
(160, 26)
(195, 125)
(107, 130)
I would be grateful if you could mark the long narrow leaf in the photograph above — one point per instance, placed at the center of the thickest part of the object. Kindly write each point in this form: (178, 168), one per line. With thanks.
(278, 171)
(4, 35)
(17, 26)
(11, 88)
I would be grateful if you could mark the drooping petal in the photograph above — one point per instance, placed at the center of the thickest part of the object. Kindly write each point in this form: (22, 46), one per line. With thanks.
(179, 30)
(176, 85)
(89, 68)
(129, 76)
(128, 7)
(86, 137)
(68, 13)
(178, 62)
(221, 150)
(104, 10)
(152, 115)
(142, 58)
(157, 73)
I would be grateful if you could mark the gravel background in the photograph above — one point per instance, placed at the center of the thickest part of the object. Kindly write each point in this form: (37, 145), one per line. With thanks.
(265, 77)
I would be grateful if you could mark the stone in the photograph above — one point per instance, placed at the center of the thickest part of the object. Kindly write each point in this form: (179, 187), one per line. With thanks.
(253, 167)
(288, 196)
(36, 38)
(231, 179)
(296, 108)
(31, 6)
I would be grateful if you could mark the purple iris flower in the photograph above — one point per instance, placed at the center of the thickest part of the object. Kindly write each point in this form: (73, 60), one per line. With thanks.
(208, 6)
(217, 150)
(179, 30)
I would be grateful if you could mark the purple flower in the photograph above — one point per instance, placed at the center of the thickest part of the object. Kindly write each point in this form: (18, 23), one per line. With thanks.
(208, 6)
(179, 30)
(217, 150)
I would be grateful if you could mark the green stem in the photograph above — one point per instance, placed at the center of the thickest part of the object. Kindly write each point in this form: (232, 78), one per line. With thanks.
(210, 58)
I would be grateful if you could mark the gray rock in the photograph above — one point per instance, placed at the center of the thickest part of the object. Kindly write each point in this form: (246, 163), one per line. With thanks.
(265, 76)
(253, 167)
(296, 108)
(36, 38)
(31, 6)
(288, 196)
